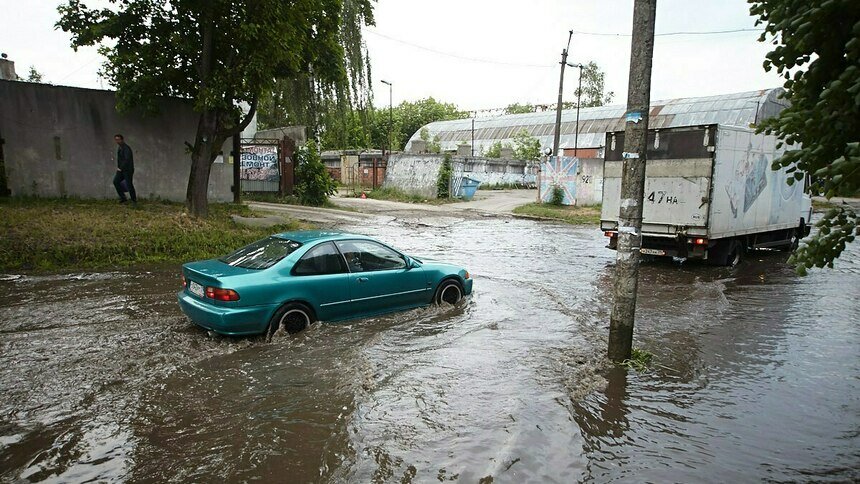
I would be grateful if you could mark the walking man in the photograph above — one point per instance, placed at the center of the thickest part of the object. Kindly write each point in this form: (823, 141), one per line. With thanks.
(124, 170)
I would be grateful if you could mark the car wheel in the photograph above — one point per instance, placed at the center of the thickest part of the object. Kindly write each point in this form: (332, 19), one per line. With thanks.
(293, 317)
(449, 292)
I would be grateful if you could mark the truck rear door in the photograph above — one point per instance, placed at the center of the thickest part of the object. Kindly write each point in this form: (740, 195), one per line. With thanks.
(678, 174)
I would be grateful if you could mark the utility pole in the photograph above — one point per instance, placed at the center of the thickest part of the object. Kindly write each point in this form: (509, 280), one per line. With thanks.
(390, 117)
(626, 280)
(560, 93)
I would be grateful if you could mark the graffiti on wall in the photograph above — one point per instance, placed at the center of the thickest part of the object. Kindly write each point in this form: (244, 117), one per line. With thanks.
(559, 171)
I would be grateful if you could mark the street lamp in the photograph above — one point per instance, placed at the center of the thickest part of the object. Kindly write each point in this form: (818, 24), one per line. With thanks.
(578, 96)
(390, 117)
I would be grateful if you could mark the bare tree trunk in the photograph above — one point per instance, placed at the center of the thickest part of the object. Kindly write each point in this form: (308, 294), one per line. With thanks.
(632, 183)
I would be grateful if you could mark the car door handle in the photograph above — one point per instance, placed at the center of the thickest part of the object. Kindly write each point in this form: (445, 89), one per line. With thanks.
(362, 279)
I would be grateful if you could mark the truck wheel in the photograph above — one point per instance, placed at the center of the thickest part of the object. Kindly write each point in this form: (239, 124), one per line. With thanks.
(735, 253)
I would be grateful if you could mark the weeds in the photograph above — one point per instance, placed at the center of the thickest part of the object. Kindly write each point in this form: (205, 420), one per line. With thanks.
(639, 360)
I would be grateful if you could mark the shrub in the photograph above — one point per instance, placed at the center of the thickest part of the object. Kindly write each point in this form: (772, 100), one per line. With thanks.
(313, 183)
(444, 181)
(557, 197)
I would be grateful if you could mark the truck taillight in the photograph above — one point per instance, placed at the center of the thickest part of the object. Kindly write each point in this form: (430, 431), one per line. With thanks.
(700, 241)
(220, 294)
(609, 234)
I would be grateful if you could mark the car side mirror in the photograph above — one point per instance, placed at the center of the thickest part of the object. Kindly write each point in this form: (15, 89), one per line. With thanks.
(410, 264)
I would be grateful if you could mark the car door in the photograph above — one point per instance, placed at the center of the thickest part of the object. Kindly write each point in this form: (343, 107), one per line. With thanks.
(320, 277)
(380, 278)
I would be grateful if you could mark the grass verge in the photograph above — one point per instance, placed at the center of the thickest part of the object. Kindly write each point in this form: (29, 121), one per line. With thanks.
(564, 213)
(397, 195)
(58, 234)
(287, 200)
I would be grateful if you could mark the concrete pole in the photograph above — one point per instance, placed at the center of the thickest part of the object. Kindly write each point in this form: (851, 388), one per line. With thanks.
(632, 182)
(560, 94)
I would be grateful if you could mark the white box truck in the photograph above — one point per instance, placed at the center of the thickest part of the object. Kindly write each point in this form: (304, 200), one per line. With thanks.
(710, 193)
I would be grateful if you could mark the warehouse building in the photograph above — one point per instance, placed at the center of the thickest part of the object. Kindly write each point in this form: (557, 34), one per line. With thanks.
(740, 109)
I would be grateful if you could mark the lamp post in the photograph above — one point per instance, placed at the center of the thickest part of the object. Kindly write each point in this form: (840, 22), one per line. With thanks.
(578, 97)
(390, 116)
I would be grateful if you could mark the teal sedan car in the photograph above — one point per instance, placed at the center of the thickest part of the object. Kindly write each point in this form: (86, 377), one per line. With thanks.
(292, 279)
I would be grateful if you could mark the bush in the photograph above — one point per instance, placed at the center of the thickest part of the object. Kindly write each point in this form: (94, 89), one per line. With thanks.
(444, 181)
(313, 183)
(557, 197)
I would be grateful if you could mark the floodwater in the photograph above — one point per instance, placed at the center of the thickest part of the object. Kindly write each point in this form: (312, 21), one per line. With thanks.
(757, 376)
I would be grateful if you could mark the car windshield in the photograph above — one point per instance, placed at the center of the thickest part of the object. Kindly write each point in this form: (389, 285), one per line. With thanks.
(261, 254)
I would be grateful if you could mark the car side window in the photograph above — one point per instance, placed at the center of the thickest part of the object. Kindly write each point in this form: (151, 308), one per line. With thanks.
(366, 255)
(322, 259)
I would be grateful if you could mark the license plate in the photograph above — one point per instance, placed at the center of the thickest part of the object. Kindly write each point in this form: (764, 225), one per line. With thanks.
(652, 251)
(195, 288)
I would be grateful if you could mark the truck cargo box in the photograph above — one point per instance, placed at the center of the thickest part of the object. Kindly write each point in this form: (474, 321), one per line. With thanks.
(708, 189)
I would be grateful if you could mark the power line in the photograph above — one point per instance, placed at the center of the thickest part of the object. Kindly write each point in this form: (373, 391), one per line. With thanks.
(580, 32)
(669, 34)
(448, 54)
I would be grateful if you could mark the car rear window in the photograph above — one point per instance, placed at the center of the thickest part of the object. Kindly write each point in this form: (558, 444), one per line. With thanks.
(262, 254)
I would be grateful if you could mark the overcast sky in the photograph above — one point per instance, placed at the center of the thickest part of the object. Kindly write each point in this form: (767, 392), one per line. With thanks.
(481, 54)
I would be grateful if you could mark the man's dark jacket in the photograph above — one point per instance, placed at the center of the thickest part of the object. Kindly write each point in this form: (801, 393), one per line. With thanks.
(124, 158)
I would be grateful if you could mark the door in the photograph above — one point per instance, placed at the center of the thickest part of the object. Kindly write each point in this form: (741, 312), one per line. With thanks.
(380, 278)
(321, 279)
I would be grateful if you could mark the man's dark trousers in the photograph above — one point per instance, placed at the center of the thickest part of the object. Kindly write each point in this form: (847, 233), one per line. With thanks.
(126, 175)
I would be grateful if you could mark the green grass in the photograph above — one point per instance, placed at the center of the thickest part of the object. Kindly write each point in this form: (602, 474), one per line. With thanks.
(62, 234)
(287, 200)
(639, 360)
(501, 186)
(568, 214)
(822, 205)
(397, 195)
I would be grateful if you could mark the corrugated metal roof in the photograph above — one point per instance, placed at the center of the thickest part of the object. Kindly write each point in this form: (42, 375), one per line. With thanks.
(738, 109)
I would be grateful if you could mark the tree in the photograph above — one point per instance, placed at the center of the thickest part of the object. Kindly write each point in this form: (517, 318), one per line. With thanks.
(495, 149)
(313, 183)
(219, 54)
(34, 75)
(593, 87)
(526, 146)
(433, 145)
(517, 108)
(817, 52)
(409, 117)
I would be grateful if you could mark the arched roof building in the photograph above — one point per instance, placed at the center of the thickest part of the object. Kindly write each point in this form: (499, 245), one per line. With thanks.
(740, 109)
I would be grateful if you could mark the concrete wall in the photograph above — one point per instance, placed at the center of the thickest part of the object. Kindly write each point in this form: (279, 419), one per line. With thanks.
(59, 142)
(413, 173)
(418, 173)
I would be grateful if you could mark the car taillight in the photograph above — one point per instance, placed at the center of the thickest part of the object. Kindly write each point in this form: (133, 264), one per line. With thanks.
(700, 241)
(184, 282)
(220, 294)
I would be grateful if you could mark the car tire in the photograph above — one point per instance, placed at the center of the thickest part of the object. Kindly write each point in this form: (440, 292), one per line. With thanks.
(449, 291)
(293, 317)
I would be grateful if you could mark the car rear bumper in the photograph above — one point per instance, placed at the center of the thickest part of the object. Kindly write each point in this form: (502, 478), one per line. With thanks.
(231, 321)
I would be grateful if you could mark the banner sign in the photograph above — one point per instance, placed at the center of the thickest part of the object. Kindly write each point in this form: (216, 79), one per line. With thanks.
(259, 162)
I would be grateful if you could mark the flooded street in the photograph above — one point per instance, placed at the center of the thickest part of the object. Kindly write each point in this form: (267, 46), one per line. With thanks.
(757, 375)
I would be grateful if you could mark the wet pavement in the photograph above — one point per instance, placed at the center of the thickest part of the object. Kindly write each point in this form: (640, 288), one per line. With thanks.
(756, 378)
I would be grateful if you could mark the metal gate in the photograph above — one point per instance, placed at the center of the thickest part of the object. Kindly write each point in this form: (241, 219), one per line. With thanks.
(259, 165)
